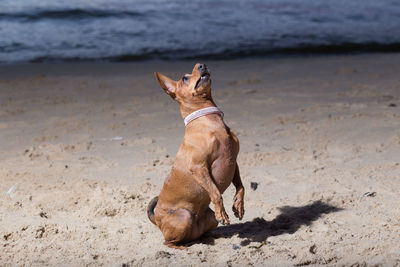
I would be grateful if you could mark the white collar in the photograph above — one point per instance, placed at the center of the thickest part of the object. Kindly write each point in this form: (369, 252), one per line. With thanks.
(202, 112)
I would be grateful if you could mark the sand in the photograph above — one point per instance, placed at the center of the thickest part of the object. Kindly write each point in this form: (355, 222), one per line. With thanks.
(85, 146)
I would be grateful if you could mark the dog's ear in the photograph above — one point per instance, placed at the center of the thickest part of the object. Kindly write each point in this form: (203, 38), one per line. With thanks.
(167, 84)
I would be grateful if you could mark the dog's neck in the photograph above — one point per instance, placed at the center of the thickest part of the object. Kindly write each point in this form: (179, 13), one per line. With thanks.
(188, 108)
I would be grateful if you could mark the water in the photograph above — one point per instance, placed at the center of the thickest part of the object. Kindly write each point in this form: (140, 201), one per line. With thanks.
(40, 30)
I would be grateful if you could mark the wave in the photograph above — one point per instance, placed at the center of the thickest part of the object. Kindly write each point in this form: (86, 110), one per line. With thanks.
(68, 14)
(124, 30)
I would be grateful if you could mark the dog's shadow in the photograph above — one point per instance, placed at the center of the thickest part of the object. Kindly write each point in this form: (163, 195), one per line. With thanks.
(258, 230)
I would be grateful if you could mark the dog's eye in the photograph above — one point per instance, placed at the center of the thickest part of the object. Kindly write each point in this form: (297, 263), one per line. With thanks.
(184, 78)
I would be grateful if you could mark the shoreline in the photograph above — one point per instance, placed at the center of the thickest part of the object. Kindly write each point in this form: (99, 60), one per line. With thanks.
(306, 50)
(286, 53)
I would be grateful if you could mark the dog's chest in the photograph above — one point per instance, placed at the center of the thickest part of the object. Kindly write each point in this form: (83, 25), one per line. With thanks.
(224, 163)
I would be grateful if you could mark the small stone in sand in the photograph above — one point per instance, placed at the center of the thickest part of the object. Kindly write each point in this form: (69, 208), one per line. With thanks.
(43, 214)
(235, 247)
(369, 194)
(313, 249)
(253, 185)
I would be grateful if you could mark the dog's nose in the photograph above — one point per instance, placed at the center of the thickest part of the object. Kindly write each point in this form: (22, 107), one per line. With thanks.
(202, 67)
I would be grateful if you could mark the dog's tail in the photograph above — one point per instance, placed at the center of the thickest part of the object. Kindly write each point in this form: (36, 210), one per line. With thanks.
(150, 209)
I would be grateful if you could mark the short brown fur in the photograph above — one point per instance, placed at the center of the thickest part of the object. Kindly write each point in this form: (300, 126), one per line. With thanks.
(204, 167)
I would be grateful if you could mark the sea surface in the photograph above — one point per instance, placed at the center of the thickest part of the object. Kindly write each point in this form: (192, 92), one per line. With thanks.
(118, 30)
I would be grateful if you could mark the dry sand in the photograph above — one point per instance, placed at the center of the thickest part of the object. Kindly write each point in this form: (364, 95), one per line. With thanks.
(84, 147)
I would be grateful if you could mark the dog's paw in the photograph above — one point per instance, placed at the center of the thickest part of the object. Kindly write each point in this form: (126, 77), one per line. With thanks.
(238, 207)
(222, 217)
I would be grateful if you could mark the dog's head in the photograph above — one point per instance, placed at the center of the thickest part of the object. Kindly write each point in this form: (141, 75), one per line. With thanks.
(192, 87)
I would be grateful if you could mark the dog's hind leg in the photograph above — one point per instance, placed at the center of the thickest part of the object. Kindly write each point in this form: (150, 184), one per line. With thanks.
(205, 223)
(180, 226)
(176, 226)
(238, 200)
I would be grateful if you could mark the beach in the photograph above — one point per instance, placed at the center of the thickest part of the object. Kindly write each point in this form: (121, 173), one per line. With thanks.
(85, 146)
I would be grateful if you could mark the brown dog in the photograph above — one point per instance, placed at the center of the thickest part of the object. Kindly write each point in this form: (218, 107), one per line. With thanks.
(204, 167)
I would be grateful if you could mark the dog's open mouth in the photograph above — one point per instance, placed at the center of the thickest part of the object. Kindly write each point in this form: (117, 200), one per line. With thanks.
(204, 77)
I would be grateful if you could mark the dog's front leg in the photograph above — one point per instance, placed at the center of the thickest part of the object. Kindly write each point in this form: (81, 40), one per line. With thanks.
(238, 200)
(202, 175)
